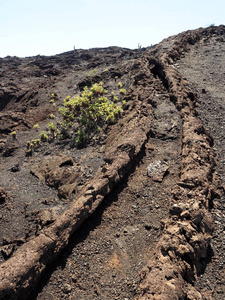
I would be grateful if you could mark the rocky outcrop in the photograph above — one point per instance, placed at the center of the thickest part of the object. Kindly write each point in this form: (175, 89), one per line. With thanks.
(59, 172)
(184, 245)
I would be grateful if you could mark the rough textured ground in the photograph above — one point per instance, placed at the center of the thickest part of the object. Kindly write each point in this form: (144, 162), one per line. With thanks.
(204, 69)
(157, 176)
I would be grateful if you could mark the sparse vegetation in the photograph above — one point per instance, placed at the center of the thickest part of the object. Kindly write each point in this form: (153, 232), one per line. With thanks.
(89, 111)
(52, 128)
(29, 152)
(36, 126)
(13, 134)
(82, 138)
(120, 85)
(91, 74)
(44, 136)
(31, 145)
(122, 91)
(53, 97)
(83, 116)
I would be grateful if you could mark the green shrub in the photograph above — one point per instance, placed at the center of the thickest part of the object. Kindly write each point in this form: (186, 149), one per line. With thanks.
(52, 130)
(82, 138)
(29, 152)
(44, 136)
(31, 146)
(52, 127)
(83, 116)
(36, 127)
(120, 85)
(123, 92)
(89, 111)
(52, 116)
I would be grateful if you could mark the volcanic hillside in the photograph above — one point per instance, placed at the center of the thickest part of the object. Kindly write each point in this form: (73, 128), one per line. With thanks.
(123, 200)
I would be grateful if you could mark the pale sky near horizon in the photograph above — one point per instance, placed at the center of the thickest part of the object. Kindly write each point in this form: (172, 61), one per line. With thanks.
(48, 27)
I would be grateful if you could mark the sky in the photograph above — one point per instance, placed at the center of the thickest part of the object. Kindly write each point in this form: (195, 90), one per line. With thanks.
(49, 27)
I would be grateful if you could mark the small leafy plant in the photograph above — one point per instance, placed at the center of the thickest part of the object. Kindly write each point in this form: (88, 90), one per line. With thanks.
(13, 134)
(82, 138)
(83, 117)
(29, 152)
(89, 111)
(44, 136)
(53, 97)
(120, 85)
(32, 145)
(123, 91)
(52, 129)
(36, 127)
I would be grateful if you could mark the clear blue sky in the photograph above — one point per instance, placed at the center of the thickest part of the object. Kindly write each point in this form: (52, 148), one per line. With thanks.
(48, 27)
